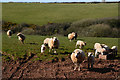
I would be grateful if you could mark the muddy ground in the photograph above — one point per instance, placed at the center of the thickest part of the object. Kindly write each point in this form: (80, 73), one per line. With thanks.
(28, 69)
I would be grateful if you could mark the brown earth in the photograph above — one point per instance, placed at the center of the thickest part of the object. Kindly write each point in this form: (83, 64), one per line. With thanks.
(57, 69)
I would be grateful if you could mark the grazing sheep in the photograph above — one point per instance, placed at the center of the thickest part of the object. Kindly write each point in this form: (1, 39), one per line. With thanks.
(46, 41)
(91, 59)
(114, 50)
(9, 33)
(53, 43)
(77, 58)
(43, 47)
(72, 36)
(100, 51)
(81, 44)
(75, 36)
(21, 37)
(106, 47)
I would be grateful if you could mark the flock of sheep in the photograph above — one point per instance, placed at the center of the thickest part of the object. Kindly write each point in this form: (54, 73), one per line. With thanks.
(78, 55)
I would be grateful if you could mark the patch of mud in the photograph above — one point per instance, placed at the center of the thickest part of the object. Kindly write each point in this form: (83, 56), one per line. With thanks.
(103, 69)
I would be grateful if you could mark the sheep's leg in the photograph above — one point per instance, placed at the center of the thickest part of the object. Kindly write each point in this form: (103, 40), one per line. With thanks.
(52, 49)
(75, 66)
(55, 51)
(102, 53)
(95, 53)
(88, 65)
(21, 42)
(91, 66)
(115, 53)
(80, 47)
(79, 68)
(76, 46)
(49, 50)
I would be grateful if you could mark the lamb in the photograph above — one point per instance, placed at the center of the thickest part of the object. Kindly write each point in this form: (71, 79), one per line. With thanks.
(9, 33)
(100, 51)
(72, 36)
(53, 43)
(81, 44)
(21, 37)
(114, 50)
(43, 47)
(77, 58)
(91, 59)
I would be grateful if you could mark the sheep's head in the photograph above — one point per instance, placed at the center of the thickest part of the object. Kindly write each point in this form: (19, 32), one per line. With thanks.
(55, 39)
(102, 45)
(104, 51)
(42, 48)
(19, 34)
(73, 33)
(90, 53)
(85, 43)
(77, 53)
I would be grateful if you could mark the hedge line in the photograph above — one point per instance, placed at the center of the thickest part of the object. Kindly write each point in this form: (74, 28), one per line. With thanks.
(106, 27)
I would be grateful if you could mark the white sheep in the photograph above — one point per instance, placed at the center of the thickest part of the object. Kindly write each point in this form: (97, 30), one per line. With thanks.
(91, 59)
(114, 50)
(43, 47)
(9, 33)
(72, 36)
(97, 45)
(80, 43)
(100, 51)
(21, 37)
(53, 43)
(46, 41)
(77, 58)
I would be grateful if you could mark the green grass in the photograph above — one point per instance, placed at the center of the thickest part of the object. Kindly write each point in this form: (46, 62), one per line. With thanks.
(13, 46)
(40, 14)
(0, 46)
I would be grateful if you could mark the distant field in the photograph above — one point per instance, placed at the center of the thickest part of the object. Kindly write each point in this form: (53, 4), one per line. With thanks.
(33, 43)
(36, 13)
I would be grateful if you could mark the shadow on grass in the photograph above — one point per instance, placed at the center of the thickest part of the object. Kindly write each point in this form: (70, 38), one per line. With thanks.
(89, 49)
(102, 70)
(32, 43)
(117, 58)
(65, 53)
(62, 48)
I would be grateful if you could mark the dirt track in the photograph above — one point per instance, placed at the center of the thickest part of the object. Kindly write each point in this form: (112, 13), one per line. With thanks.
(103, 69)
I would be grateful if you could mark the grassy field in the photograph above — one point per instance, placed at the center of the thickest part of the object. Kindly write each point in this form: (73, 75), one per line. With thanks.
(36, 13)
(33, 43)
